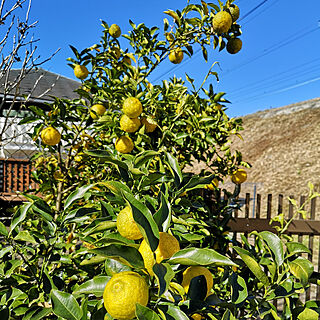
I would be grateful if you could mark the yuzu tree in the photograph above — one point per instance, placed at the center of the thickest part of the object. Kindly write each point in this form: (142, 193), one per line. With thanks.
(116, 224)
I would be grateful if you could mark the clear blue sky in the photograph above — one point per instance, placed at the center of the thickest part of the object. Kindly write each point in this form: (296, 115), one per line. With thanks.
(278, 65)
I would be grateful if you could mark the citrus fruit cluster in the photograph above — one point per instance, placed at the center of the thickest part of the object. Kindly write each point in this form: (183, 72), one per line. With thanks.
(130, 123)
(222, 22)
(127, 288)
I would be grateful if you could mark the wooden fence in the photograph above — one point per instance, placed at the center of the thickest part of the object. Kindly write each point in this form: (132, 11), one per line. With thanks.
(255, 214)
(15, 177)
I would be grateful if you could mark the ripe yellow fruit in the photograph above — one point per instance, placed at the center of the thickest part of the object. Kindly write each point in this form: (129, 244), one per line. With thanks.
(212, 186)
(115, 31)
(221, 22)
(50, 136)
(124, 144)
(81, 72)
(97, 110)
(239, 176)
(126, 225)
(149, 123)
(234, 12)
(234, 45)
(168, 246)
(122, 292)
(196, 316)
(195, 271)
(176, 56)
(129, 124)
(132, 107)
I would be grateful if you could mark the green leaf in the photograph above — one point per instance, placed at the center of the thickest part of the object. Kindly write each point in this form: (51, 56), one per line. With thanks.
(175, 169)
(127, 255)
(41, 207)
(25, 236)
(253, 265)
(76, 195)
(20, 215)
(302, 269)
(173, 312)
(174, 15)
(105, 157)
(79, 213)
(144, 157)
(239, 292)
(163, 216)
(308, 314)
(3, 229)
(275, 245)
(296, 248)
(113, 266)
(164, 275)
(65, 305)
(94, 286)
(37, 314)
(228, 315)
(200, 257)
(144, 313)
(115, 187)
(102, 226)
(144, 219)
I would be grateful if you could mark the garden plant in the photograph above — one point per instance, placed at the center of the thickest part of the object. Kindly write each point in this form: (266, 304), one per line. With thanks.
(117, 227)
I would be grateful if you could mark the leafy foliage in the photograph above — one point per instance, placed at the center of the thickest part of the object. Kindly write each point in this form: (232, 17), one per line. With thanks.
(63, 246)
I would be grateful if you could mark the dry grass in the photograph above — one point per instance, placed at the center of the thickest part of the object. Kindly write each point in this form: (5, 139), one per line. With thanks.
(282, 145)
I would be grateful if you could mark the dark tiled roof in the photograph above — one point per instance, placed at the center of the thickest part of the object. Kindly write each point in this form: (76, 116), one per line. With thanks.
(59, 86)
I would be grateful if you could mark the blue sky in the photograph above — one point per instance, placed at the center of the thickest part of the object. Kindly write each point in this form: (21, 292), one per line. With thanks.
(278, 65)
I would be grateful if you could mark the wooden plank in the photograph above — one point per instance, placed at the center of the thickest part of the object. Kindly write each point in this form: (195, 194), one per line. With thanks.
(247, 205)
(258, 211)
(269, 206)
(280, 203)
(304, 227)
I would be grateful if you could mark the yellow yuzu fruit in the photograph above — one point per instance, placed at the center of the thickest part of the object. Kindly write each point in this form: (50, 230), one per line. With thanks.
(234, 12)
(126, 225)
(129, 124)
(221, 22)
(81, 72)
(149, 123)
(124, 144)
(114, 31)
(196, 316)
(132, 107)
(195, 271)
(168, 246)
(97, 110)
(212, 186)
(176, 56)
(50, 136)
(239, 176)
(234, 45)
(122, 292)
